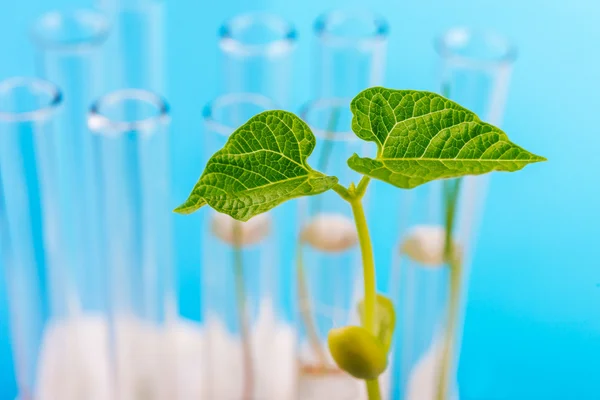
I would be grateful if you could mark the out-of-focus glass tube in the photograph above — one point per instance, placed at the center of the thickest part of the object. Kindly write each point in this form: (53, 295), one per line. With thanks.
(131, 140)
(68, 54)
(328, 268)
(250, 342)
(431, 291)
(351, 53)
(36, 294)
(257, 56)
(135, 50)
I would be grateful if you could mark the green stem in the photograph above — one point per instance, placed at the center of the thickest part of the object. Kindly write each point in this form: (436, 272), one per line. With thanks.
(366, 250)
(240, 290)
(448, 353)
(451, 192)
(373, 391)
(305, 309)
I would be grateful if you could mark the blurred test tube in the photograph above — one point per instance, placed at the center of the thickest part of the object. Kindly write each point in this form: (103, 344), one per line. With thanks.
(68, 48)
(135, 50)
(131, 136)
(46, 350)
(257, 58)
(350, 56)
(431, 293)
(351, 53)
(249, 340)
(250, 343)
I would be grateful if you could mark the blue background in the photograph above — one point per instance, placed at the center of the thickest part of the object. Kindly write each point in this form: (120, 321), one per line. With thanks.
(533, 318)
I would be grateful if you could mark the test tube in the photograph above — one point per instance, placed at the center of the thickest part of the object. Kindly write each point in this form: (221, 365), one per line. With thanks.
(431, 291)
(134, 55)
(257, 58)
(28, 108)
(250, 341)
(130, 128)
(68, 54)
(350, 53)
(328, 266)
(351, 49)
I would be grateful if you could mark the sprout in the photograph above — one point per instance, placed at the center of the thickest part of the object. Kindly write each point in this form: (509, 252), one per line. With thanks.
(251, 232)
(426, 244)
(330, 232)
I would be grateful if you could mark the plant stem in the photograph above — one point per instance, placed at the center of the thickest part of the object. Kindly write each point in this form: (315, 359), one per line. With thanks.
(240, 290)
(373, 391)
(305, 309)
(366, 250)
(451, 191)
(447, 354)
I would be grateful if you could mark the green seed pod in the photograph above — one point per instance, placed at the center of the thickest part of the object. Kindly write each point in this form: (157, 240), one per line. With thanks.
(357, 352)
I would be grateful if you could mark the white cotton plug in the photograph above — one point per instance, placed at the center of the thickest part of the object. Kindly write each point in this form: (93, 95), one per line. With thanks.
(251, 231)
(426, 244)
(330, 232)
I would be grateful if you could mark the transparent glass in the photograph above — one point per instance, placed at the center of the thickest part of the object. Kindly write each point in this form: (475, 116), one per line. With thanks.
(68, 53)
(40, 294)
(250, 342)
(328, 263)
(430, 277)
(350, 56)
(257, 51)
(134, 54)
(130, 129)
(350, 53)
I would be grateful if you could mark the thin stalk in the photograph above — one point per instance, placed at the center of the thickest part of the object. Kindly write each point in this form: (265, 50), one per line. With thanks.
(451, 192)
(240, 290)
(305, 309)
(373, 391)
(370, 288)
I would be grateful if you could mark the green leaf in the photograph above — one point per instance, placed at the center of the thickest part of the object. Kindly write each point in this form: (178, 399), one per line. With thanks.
(422, 136)
(262, 165)
(385, 320)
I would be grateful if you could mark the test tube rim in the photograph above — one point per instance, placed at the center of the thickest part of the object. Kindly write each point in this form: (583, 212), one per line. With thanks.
(81, 15)
(282, 45)
(340, 136)
(99, 123)
(208, 114)
(447, 52)
(55, 98)
(379, 34)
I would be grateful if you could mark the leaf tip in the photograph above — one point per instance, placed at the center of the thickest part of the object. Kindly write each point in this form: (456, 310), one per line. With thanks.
(189, 206)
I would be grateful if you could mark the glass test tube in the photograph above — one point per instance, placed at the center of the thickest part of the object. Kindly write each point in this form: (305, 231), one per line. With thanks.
(350, 57)
(131, 140)
(250, 343)
(68, 54)
(135, 50)
(476, 69)
(328, 266)
(257, 56)
(351, 53)
(36, 294)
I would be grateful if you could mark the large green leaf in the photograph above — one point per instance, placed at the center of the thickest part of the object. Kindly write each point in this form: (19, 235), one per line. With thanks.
(262, 165)
(422, 136)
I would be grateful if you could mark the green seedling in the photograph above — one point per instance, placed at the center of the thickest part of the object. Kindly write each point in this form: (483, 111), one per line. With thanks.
(420, 137)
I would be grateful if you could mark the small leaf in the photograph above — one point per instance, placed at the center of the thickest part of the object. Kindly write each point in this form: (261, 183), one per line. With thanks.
(385, 321)
(422, 136)
(357, 352)
(262, 165)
